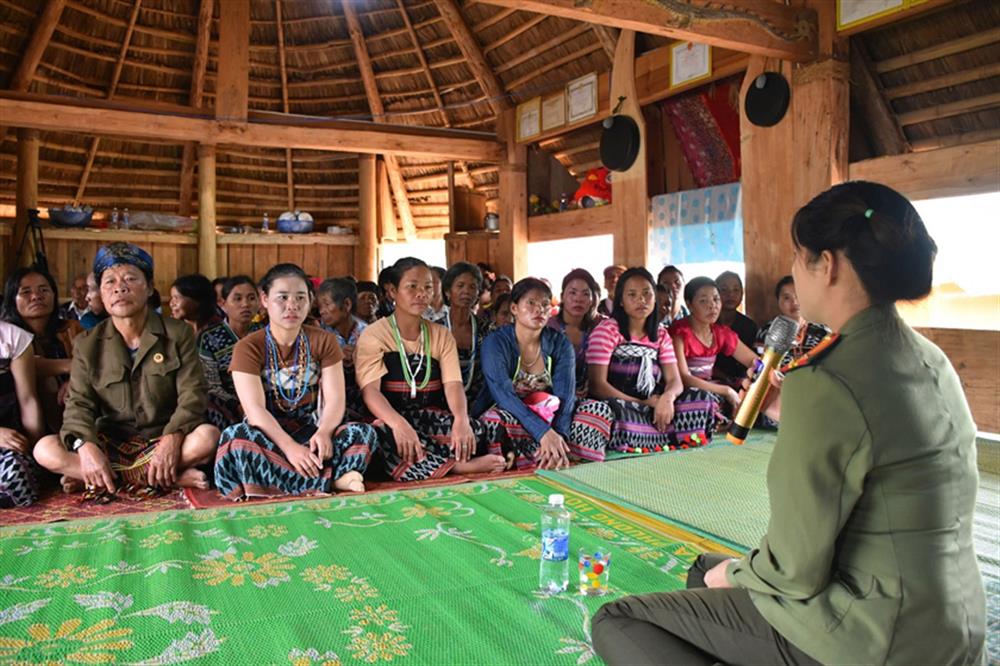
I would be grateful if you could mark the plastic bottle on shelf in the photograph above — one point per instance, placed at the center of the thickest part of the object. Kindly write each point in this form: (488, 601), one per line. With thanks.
(266, 224)
(114, 218)
(553, 571)
(125, 222)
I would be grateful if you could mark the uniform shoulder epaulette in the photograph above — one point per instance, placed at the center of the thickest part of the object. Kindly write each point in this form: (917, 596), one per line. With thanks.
(810, 357)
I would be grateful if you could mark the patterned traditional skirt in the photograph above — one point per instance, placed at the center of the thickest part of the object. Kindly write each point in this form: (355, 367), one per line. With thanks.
(129, 458)
(697, 414)
(18, 479)
(223, 413)
(589, 434)
(433, 428)
(249, 464)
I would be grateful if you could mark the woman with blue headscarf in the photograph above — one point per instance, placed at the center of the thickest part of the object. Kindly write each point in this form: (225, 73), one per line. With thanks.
(135, 414)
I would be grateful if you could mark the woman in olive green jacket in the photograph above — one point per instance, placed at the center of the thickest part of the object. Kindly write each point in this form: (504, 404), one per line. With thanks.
(135, 414)
(868, 556)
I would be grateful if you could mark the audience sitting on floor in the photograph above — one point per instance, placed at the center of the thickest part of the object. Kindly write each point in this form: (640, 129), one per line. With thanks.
(729, 369)
(135, 412)
(417, 377)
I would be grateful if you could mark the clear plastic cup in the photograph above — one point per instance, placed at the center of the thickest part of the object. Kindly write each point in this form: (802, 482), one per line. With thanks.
(594, 566)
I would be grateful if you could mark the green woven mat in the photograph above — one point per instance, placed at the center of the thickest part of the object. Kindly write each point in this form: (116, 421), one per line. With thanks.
(434, 576)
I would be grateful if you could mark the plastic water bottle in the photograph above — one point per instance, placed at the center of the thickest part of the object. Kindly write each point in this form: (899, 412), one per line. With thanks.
(125, 222)
(553, 573)
(114, 218)
(266, 224)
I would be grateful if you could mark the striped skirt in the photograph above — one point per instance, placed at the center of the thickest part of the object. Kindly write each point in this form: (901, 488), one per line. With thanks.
(588, 437)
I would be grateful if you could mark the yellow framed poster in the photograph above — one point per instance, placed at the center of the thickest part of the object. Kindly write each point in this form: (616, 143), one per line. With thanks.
(581, 98)
(554, 111)
(855, 12)
(529, 119)
(689, 62)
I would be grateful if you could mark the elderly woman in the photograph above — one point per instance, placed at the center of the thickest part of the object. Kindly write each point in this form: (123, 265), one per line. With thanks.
(20, 418)
(868, 557)
(193, 299)
(30, 299)
(136, 406)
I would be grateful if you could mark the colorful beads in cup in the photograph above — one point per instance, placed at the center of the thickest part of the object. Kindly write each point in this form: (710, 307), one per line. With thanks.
(594, 565)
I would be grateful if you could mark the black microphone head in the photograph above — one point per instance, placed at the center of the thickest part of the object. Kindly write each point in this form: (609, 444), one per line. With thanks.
(781, 334)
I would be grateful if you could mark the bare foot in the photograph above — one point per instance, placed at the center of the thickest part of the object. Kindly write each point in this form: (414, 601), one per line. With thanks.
(192, 478)
(351, 482)
(71, 485)
(482, 464)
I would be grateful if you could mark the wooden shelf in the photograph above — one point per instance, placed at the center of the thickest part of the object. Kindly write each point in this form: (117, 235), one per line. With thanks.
(287, 239)
(128, 236)
(576, 223)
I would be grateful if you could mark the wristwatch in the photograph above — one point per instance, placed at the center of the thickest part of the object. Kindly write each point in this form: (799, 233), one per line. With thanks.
(78, 444)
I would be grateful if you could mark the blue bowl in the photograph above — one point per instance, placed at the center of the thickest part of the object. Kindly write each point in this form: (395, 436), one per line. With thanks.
(60, 217)
(295, 226)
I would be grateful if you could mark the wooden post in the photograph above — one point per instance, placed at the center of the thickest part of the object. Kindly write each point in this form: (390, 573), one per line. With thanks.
(26, 194)
(513, 251)
(387, 218)
(629, 197)
(452, 212)
(366, 251)
(786, 165)
(207, 255)
(232, 87)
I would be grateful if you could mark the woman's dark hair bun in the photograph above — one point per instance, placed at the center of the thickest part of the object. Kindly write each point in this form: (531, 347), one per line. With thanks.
(878, 230)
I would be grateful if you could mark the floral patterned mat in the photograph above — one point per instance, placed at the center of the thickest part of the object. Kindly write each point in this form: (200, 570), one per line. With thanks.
(425, 576)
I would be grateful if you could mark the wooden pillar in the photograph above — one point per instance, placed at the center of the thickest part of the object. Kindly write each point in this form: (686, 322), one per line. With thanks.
(366, 251)
(513, 251)
(232, 87)
(629, 189)
(452, 212)
(786, 165)
(26, 194)
(387, 218)
(207, 256)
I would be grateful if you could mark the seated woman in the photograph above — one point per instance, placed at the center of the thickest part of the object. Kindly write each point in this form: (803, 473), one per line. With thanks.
(215, 349)
(20, 418)
(578, 316)
(810, 333)
(95, 306)
(460, 286)
(698, 340)
(410, 378)
(530, 362)
(632, 368)
(192, 299)
(728, 369)
(30, 299)
(869, 555)
(672, 281)
(136, 406)
(337, 300)
(290, 380)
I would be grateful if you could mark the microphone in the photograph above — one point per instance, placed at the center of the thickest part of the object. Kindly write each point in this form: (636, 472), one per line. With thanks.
(780, 337)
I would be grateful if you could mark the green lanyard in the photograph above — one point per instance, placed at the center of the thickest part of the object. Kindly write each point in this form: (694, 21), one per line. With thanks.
(407, 374)
(548, 368)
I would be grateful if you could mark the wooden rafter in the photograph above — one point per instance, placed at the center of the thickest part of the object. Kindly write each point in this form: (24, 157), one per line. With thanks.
(944, 81)
(937, 51)
(881, 126)
(233, 79)
(430, 80)
(378, 112)
(196, 96)
(765, 28)
(608, 38)
(279, 25)
(170, 124)
(112, 89)
(544, 47)
(495, 93)
(40, 37)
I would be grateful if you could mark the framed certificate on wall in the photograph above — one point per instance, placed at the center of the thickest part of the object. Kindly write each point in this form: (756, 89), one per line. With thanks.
(581, 98)
(529, 119)
(554, 111)
(689, 62)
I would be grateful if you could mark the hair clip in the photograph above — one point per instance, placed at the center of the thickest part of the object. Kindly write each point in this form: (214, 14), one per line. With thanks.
(869, 213)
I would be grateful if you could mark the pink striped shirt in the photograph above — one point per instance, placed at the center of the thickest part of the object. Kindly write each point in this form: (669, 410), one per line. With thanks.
(606, 336)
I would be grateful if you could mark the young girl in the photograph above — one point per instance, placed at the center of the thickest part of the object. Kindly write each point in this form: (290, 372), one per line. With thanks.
(410, 378)
(632, 367)
(290, 380)
(461, 286)
(531, 362)
(698, 340)
(215, 349)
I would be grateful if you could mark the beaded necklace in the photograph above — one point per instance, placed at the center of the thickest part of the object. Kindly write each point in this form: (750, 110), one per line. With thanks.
(423, 354)
(472, 359)
(287, 401)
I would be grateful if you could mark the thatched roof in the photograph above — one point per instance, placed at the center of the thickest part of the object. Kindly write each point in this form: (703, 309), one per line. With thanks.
(144, 51)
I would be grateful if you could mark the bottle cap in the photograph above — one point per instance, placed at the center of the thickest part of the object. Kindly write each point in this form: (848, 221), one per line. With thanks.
(556, 500)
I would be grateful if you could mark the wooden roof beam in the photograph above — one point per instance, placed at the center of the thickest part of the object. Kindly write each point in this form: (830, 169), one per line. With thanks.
(608, 38)
(881, 126)
(40, 37)
(765, 28)
(948, 48)
(282, 65)
(971, 105)
(378, 111)
(263, 129)
(944, 81)
(474, 54)
(233, 79)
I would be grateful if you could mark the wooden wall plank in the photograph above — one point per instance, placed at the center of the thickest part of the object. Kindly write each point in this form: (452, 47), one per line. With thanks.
(187, 260)
(340, 261)
(311, 261)
(264, 256)
(291, 254)
(165, 267)
(976, 358)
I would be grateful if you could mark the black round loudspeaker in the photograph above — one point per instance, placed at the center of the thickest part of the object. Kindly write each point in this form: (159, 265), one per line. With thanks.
(619, 143)
(767, 99)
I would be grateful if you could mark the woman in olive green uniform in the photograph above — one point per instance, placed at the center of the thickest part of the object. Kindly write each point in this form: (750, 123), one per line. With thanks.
(868, 556)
